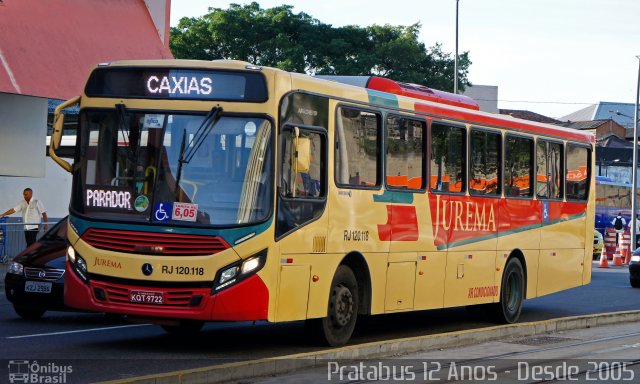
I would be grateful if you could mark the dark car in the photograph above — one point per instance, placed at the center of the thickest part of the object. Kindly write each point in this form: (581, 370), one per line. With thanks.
(634, 269)
(34, 282)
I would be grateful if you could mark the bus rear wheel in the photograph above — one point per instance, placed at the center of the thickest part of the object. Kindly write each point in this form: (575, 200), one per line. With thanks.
(508, 310)
(336, 329)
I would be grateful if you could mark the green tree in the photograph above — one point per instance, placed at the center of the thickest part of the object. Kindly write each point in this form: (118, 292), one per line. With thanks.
(277, 37)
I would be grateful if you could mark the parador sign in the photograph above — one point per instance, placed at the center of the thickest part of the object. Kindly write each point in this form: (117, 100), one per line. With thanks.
(110, 199)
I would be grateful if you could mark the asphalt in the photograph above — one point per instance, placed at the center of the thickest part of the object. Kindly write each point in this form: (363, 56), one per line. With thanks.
(248, 371)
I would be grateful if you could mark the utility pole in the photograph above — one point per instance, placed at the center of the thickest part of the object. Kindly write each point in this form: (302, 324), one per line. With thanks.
(455, 61)
(634, 167)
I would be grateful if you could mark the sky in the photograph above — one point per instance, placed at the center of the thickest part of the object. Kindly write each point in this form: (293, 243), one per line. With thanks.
(551, 57)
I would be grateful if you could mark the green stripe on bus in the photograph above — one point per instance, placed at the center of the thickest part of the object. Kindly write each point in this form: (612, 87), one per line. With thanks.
(382, 98)
(394, 197)
(509, 232)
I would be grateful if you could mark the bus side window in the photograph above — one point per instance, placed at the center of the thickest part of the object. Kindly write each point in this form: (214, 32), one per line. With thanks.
(404, 157)
(358, 136)
(484, 163)
(518, 173)
(549, 175)
(577, 175)
(448, 158)
(302, 186)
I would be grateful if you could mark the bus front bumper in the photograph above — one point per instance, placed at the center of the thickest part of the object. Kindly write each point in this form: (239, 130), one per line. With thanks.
(246, 300)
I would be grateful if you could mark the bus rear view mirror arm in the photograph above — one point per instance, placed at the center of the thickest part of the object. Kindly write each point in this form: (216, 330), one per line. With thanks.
(56, 135)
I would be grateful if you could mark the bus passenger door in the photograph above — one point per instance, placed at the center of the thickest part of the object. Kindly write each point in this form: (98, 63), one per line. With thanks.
(301, 227)
(357, 216)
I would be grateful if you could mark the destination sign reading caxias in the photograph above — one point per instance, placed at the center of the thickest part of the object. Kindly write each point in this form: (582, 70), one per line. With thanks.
(182, 85)
(164, 83)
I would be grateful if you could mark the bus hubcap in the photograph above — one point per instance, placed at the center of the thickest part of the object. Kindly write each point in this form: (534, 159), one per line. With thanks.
(343, 306)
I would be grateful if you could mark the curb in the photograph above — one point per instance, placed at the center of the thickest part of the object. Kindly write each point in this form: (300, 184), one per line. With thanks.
(285, 364)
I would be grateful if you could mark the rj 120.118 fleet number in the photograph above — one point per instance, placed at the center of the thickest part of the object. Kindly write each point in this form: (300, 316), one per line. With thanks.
(182, 270)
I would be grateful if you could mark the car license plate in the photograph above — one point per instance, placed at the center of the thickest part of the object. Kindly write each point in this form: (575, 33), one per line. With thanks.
(146, 297)
(37, 286)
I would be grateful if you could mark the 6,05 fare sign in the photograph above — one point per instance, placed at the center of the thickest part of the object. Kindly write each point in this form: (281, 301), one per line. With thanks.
(175, 211)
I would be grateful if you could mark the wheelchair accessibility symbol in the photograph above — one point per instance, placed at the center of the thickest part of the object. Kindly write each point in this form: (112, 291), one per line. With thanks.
(162, 211)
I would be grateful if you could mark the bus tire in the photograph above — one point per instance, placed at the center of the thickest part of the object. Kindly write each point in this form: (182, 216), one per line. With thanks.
(336, 329)
(185, 327)
(508, 310)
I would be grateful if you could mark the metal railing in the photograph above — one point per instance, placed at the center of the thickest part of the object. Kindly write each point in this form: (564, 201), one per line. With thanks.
(12, 239)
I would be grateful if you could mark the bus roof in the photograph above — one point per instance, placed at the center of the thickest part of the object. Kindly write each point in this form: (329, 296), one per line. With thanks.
(441, 105)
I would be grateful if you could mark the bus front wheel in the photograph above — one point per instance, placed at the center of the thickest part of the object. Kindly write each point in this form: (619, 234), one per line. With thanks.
(508, 310)
(184, 327)
(342, 312)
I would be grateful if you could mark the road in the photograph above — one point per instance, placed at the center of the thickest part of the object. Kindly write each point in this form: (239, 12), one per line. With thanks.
(603, 354)
(99, 349)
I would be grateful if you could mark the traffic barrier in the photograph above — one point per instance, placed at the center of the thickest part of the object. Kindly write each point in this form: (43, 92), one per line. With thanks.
(604, 263)
(625, 247)
(617, 257)
(609, 242)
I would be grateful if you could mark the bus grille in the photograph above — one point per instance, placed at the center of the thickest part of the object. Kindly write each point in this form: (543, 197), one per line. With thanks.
(152, 243)
(176, 298)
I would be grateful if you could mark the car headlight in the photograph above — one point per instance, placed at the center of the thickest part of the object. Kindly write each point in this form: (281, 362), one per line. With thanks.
(15, 268)
(239, 271)
(72, 254)
(635, 258)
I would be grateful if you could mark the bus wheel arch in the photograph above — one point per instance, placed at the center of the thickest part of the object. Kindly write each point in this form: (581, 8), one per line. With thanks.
(356, 262)
(517, 253)
(349, 296)
(512, 292)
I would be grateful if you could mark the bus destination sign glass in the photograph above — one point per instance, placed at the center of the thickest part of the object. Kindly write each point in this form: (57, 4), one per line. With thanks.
(177, 84)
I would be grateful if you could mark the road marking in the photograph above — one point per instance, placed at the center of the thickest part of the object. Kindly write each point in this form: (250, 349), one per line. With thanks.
(77, 331)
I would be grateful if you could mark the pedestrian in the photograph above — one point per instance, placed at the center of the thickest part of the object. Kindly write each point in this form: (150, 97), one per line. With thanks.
(637, 230)
(31, 210)
(618, 224)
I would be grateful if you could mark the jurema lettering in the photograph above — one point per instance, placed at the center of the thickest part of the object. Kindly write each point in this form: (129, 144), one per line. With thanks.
(98, 198)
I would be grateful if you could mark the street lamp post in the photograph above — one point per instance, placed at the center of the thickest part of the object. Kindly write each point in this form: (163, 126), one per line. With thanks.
(455, 60)
(634, 168)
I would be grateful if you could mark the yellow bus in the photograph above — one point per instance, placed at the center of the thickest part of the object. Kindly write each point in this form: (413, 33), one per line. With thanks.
(224, 191)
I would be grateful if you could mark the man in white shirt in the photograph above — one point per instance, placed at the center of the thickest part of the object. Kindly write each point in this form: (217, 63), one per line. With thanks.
(31, 210)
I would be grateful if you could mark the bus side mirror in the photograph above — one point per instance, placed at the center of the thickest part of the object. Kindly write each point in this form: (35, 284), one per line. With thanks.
(56, 135)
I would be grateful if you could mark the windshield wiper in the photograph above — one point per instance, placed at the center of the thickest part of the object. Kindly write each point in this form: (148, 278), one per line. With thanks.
(201, 134)
(125, 130)
(198, 138)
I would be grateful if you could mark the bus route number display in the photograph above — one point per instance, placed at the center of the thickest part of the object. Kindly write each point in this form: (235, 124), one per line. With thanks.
(184, 212)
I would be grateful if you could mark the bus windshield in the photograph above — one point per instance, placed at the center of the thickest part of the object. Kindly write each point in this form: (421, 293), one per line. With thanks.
(132, 166)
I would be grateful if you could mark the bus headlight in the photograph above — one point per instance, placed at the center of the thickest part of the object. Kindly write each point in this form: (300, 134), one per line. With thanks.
(72, 254)
(80, 266)
(228, 274)
(233, 274)
(250, 264)
(15, 268)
